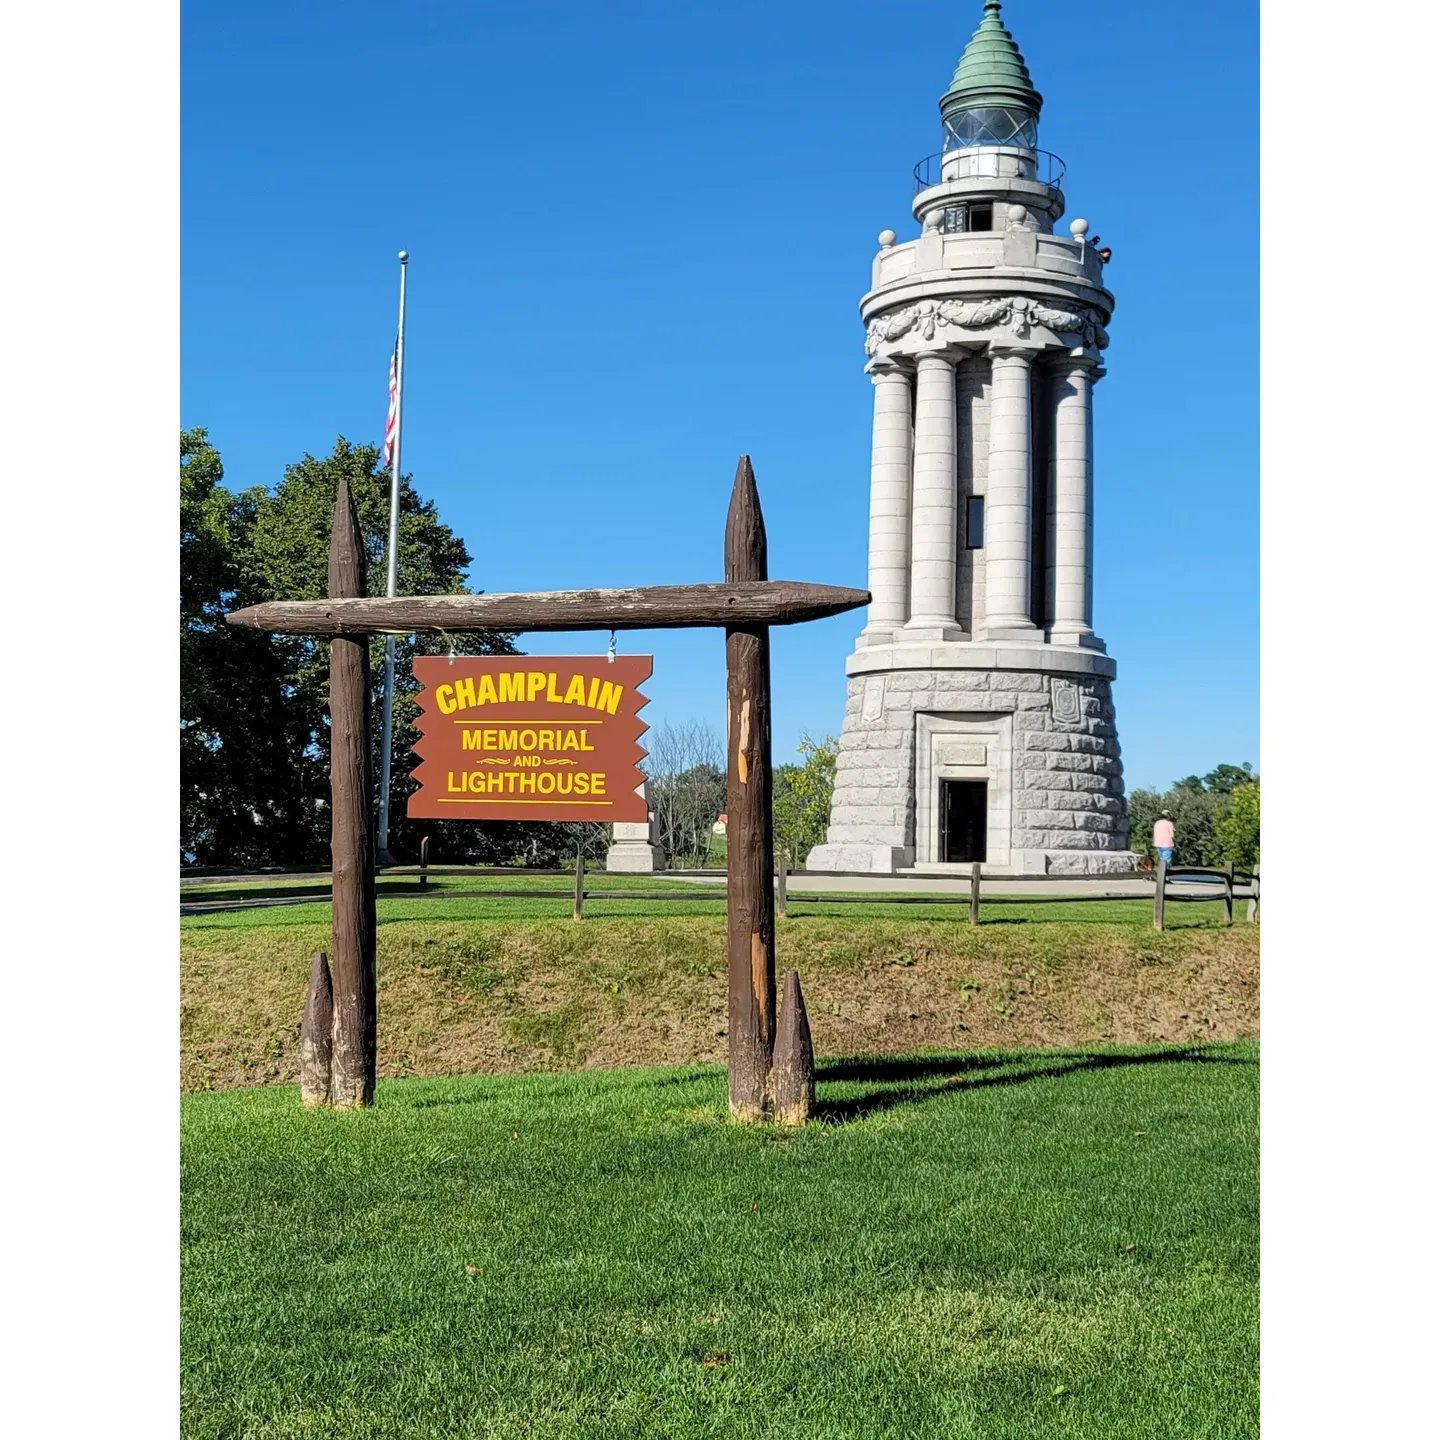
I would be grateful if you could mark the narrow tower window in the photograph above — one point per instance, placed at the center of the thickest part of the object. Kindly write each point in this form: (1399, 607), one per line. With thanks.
(975, 522)
(981, 217)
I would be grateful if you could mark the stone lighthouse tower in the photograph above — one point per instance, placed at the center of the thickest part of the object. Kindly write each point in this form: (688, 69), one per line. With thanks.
(979, 723)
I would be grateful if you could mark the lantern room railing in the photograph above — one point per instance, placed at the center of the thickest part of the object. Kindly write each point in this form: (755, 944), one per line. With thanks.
(983, 162)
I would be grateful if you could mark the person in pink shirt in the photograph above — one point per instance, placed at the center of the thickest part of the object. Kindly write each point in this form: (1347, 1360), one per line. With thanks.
(1164, 838)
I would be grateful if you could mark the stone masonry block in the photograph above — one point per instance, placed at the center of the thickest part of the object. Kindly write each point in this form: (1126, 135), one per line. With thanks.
(1010, 680)
(1046, 820)
(1046, 740)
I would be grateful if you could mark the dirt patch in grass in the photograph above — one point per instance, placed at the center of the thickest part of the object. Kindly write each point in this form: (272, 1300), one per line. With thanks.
(480, 997)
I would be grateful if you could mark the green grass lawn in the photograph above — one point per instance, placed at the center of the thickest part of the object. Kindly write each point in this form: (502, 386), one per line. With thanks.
(998, 1245)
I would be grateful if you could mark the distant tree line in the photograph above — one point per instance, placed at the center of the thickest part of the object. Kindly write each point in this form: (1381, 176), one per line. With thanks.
(1216, 816)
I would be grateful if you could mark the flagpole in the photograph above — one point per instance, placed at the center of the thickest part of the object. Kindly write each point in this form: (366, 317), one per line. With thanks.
(392, 576)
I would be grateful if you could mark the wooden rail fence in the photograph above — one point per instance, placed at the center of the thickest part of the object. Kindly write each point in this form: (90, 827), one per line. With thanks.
(1223, 883)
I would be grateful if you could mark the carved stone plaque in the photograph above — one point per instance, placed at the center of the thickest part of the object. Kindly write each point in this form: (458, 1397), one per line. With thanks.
(953, 754)
(1064, 701)
(873, 706)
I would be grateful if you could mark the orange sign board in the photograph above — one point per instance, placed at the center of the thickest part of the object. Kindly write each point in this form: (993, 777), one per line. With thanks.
(530, 737)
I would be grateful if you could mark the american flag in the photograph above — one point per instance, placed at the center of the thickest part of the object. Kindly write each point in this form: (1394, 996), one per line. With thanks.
(392, 419)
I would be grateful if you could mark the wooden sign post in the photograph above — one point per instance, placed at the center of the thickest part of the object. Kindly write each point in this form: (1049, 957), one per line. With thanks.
(745, 606)
(749, 832)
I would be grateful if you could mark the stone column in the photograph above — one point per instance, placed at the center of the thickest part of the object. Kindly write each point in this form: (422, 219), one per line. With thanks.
(933, 532)
(890, 460)
(1007, 499)
(1072, 618)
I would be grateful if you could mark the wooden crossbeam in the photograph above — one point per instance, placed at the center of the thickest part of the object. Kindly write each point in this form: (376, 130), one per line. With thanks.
(652, 607)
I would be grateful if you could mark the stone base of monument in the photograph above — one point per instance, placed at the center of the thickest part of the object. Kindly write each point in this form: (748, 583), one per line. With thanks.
(634, 851)
(952, 748)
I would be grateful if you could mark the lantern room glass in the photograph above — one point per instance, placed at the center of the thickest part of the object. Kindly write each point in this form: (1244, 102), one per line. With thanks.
(990, 125)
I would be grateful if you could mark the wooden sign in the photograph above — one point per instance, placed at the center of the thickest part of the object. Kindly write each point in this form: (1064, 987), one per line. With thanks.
(530, 737)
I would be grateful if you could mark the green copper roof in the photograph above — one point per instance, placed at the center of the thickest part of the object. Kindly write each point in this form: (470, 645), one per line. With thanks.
(991, 71)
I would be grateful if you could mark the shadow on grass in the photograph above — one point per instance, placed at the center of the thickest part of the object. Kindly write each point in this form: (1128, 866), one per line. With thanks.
(949, 1074)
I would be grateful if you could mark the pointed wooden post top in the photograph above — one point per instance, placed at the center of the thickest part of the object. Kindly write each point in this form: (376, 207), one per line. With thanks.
(346, 579)
(745, 550)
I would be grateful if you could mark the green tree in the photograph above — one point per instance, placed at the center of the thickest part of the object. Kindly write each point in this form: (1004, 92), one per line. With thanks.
(287, 557)
(802, 798)
(1224, 779)
(254, 728)
(246, 774)
(1198, 806)
(1239, 827)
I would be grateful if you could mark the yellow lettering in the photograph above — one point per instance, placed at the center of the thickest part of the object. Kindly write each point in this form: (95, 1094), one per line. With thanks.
(470, 740)
(526, 740)
(489, 739)
(584, 743)
(465, 693)
(575, 690)
(506, 740)
(545, 782)
(487, 690)
(610, 694)
(582, 784)
(527, 782)
(536, 682)
(450, 782)
(551, 698)
(597, 783)
(570, 742)
(495, 781)
(445, 699)
(594, 694)
(546, 740)
(512, 687)
(563, 783)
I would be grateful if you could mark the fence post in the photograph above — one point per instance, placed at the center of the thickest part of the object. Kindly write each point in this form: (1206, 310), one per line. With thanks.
(424, 859)
(1252, 906)
(1159, 893)
(1229, 892)
(975, 892)
(579, 884)
(782, 870)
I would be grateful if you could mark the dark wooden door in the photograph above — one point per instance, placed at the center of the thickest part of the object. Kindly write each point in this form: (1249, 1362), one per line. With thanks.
(962, 821)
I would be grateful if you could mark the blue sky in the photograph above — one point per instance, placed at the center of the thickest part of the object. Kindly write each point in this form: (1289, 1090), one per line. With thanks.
(638, 236)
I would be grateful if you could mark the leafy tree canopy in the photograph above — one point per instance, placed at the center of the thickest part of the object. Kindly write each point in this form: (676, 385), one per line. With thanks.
(802, 798)
(254, 729)
(1216, 817)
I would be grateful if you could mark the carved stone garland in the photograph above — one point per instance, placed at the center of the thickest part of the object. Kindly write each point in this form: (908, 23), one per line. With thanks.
(1016, 313)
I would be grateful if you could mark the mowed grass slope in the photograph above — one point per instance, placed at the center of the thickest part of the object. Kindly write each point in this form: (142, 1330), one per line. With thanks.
(490, 985)
(995, 1245)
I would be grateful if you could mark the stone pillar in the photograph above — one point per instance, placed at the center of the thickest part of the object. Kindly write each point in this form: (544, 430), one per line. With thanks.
(1072, 617)
(890, 460)
(633, 848)
(934, 508)
(1007, 499)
